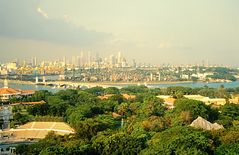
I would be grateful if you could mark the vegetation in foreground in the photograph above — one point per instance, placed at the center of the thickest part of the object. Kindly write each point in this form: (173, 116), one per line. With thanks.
(143, 124)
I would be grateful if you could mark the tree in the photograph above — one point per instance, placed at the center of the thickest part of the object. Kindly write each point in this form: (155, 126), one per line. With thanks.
(228, 113)
(39, 109)
(181, 141)
(195, 108)
(228, 149)
(21, 118)
(120, 143)
(178, 91)
(96, 90)
(111, 90)
(154, 123)
(134, 89)
(91, 126)
(151, 106)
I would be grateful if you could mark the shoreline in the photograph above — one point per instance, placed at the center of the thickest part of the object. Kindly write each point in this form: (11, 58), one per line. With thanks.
(111, 83)
(18, 81)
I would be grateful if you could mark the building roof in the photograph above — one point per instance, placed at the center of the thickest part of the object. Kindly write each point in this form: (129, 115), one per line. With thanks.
(164, 96)
(27, 92)
(128, 97)
(28, 103)
(195, 97)
(9, 91)
(105, 97)
(170, 101)
(39, 130)
(204, 124)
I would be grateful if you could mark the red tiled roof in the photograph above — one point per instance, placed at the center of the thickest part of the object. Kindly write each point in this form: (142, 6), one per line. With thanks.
(11, 91)
(4, 91)
(27, 91)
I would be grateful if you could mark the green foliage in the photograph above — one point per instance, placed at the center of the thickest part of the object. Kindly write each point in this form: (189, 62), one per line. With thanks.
(56, 145)
(96, 90)
(21, 118)
(179, 141)
(112, 90)
(228, 149)
(134, 89)
(120, 143)
(117, 98)
(224, 76)
(229, 136)
(178, 91)
(228, 113)
(81, 112)
(148, 126)
(39, 109)
(222, 73)
(155, 124)
(90, 127)
(195, 108)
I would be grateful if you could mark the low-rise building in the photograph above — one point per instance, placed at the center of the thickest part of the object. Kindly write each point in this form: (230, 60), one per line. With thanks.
(7, 93)
(168, 101)
(207, 100)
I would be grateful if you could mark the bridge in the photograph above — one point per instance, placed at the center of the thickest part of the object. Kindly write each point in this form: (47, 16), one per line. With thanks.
(70, 84)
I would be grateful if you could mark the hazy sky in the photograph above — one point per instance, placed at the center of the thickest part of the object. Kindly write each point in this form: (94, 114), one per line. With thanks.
(156, 31)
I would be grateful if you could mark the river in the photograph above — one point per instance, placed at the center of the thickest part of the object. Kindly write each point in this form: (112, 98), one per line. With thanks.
(192, 85)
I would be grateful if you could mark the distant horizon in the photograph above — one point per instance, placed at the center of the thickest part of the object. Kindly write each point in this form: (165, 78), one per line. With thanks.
(129, 61)
(155, 32)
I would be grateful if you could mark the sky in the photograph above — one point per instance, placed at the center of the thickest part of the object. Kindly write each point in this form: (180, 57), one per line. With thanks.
(151, 31)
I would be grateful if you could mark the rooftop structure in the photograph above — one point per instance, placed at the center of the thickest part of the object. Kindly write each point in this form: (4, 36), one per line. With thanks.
(207, 100)
(204, 124)
(7, 93)
(37, 130)
(168, 101)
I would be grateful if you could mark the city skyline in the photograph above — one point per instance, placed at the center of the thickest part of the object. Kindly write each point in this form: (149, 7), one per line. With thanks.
(155, 32)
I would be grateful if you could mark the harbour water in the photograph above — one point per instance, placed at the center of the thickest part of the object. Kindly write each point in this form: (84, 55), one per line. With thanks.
(199, 84)
(31, 87)
(192, 85)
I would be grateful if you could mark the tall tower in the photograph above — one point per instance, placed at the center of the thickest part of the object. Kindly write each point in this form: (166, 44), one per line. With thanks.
(119, 57)
(64, 61)
(36, 75)
(82, 62)
(5, 83)
(151, 76)
(159, 76)
(34, 61)
(89, 58)
(37, 80)
(44, 79)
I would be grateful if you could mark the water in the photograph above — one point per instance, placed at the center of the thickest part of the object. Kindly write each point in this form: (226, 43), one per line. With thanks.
(198, 84)
(31, 87)
(188, 84)
(192, 85)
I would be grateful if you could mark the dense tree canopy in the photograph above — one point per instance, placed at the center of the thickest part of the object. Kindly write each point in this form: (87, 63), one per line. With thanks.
(142, 125)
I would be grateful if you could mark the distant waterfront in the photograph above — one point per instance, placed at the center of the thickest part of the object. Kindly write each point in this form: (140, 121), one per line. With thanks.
(31, 86)
(187, 84)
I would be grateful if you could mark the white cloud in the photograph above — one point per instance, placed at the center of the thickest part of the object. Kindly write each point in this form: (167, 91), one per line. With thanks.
(42, 12)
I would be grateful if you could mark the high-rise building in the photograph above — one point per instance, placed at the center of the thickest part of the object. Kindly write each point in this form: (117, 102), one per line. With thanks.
(134, 65)
(89, 58)
(119, 58)
(112, 61)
